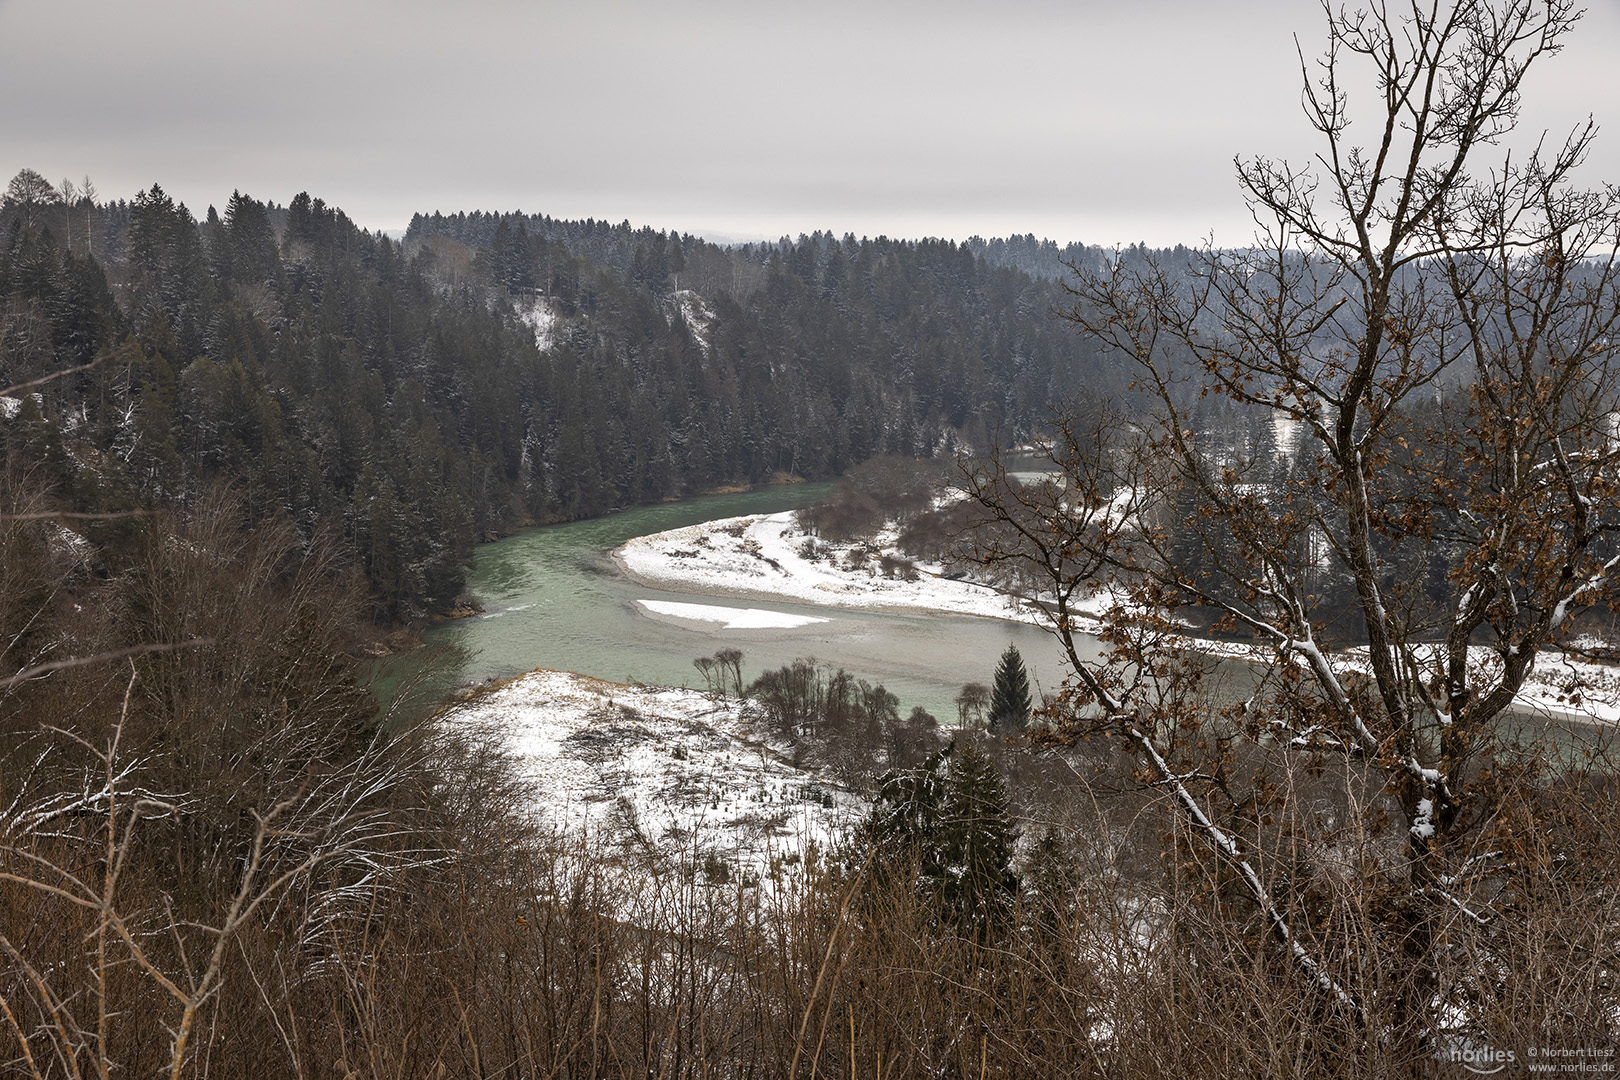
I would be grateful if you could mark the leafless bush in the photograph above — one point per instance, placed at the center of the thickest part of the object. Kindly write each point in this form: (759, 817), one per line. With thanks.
(845, 725)
(873, 494)
(722, 672)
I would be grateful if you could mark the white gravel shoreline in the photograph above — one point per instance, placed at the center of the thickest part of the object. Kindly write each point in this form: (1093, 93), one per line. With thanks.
(759, 558)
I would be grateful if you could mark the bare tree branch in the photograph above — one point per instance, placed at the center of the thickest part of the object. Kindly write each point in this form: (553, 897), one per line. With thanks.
(99, 658)
(116, 354)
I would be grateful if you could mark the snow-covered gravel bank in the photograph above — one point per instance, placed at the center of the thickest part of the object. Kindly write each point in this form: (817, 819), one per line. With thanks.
(1559, 686)
(1563, 686)
(764, 556)
(664, 773)
(731, 618)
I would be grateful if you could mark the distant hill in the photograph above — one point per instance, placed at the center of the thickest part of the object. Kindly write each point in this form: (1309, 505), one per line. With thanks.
(492, 370)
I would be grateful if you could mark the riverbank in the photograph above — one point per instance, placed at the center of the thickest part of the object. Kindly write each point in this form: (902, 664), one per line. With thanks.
(667, 776)
(554, 599)
(767, 557)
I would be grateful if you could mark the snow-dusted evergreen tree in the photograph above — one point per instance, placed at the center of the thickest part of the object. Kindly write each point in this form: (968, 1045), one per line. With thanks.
(1009, 699)
(951, 816)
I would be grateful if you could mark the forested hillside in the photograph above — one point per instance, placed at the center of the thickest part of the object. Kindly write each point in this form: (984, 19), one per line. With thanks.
(488, 371)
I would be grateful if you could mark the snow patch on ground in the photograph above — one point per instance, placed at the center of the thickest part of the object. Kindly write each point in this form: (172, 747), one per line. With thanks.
(665, 774)
(1561, 685)
(1285, 433)
(695, 312)
(540, 316)
(11, 406)
(730, 618)
(1558, 685)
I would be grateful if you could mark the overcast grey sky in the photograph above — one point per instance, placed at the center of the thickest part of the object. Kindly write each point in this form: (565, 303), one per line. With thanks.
(1102, 122)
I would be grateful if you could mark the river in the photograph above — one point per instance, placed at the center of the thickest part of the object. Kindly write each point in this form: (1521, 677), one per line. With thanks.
(554, 599)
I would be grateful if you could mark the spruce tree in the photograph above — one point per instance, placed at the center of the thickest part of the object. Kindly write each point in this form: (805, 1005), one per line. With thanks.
(975, 844)
(1009, 699)
(953, 818)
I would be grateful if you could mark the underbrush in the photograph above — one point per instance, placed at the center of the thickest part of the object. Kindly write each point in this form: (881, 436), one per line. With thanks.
(215, 862)
(453, 936)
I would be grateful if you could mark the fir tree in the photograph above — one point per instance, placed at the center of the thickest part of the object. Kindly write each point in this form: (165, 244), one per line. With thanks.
(1009, 699)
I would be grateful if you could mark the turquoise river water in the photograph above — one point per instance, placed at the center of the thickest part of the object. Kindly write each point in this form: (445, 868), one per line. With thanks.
(553, 598)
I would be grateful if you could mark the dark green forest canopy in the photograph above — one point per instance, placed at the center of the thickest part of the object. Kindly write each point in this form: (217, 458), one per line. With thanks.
(494, 370)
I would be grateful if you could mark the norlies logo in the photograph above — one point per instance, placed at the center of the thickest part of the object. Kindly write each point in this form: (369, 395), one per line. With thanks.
(1481, 1060)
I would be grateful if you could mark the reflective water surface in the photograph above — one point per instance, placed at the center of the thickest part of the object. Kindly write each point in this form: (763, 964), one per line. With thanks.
(554, 599)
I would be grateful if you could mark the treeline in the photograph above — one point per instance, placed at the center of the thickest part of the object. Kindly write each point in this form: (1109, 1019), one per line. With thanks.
(489, 371)
(1046, 261)
(847, 348)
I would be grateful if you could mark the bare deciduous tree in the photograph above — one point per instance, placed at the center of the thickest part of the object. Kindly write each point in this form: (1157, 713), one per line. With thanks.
(29, 193)
(76, 846)
(971, 701)
(1439, 331)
